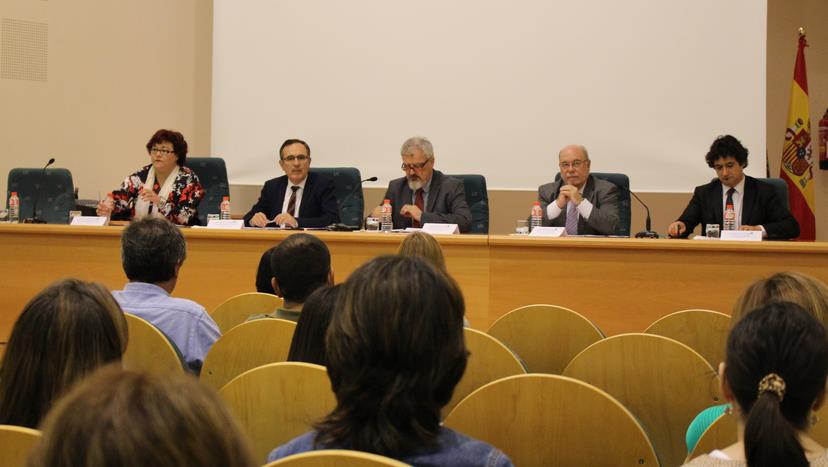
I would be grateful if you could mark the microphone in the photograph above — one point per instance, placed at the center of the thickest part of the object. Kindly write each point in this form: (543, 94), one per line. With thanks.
(34, 219)
(647, 232)
(351, 195)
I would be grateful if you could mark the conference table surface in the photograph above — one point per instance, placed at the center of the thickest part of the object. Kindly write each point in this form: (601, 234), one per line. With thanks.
(621, 284)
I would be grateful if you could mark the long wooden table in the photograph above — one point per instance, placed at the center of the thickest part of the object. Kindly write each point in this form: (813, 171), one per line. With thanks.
(623, 285)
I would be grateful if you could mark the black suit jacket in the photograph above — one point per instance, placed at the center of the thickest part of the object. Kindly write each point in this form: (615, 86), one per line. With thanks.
(318, 206)
(760, 206)
(446, 202)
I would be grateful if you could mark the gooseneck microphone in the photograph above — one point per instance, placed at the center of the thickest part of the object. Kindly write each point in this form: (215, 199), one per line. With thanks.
(350, 195)
(34, 219)
(647, 232)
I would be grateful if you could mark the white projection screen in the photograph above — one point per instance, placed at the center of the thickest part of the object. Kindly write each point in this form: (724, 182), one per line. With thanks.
(498, 86)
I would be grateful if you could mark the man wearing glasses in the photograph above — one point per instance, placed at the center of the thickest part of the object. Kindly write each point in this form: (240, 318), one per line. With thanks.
(579, 202)
(425, 195)
(297, 199)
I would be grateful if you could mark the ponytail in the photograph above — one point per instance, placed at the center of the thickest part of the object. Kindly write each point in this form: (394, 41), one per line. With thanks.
(770, 440)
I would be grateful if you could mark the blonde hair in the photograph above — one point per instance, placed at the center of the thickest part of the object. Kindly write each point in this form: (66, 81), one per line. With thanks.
(423, 245)
(131, 419)
(804, 290)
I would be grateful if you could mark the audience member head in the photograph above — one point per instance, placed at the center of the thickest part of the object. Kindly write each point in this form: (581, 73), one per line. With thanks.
(802, 289)
(128, 419)
(64, 333)
(423, 245)
(152, 250)
(174, 138)
(395, 351)
(775, 371)
(300, 265)
(308, 344)
(264, 274)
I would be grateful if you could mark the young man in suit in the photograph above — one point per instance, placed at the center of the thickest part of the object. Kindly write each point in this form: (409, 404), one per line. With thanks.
(297, 199)
(756, 204)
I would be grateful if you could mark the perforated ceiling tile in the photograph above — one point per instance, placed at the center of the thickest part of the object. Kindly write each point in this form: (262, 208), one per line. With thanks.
(24, 50)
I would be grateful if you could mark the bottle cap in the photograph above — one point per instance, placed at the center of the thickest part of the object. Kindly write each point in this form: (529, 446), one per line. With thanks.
(729, 206)
(386, 201)
(14, 193)
(536, 203)
(225, 198)
(110, 195)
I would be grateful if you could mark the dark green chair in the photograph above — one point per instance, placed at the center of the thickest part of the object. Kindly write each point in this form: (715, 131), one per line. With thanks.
(212, 173)
(781, 187)
(477, 197)
(622, 181)
(53, 188)
(348, 191)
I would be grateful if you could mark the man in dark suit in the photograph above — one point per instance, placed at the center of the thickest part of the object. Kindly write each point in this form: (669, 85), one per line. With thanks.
(756, 204)
(579, 202)
(425, 195)
(297, 199)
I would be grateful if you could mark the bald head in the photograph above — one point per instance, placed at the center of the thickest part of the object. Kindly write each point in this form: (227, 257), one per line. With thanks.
(573, 161)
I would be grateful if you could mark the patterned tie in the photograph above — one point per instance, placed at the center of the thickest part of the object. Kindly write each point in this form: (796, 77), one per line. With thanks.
(571, 219)
(292, 202)
(418, 201)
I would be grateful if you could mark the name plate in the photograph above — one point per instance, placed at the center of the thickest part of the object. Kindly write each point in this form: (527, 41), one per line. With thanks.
(440, 229)
(90, 220)
(227, 224)
(548, 232)
(741, 235)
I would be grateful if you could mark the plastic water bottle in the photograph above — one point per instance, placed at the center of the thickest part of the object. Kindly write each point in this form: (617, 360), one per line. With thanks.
(729, 218)
(386, 218)
(537, 215)
(224, 208)
(14, 208)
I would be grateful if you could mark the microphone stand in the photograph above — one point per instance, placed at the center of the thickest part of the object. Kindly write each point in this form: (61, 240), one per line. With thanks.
(352, 193)
(647, 232)
(34, 219)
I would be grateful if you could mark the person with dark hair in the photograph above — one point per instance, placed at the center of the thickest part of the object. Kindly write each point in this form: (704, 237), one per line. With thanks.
(774, 376)
(152, 253)
(64, 333)
(263, 274)
(164, 188)
(308, 344)
(395, 351)
(300, 265)
(756, 204)
(130, 419)
(297, 199)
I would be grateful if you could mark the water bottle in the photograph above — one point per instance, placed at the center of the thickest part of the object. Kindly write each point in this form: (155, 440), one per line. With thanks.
(537, 215)
(224, 208)
(386, 218)
(14, 208)
(729, 218)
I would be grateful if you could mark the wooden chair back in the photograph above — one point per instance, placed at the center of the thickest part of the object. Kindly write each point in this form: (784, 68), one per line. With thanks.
(16, 443)
(247, 346)
(545, 337)
(540, 420)
(148, 348)
(704, 331)
(662, 381)
(277, 402)
(235, 310)
(489, 360)
(336, 458)
(720, 434)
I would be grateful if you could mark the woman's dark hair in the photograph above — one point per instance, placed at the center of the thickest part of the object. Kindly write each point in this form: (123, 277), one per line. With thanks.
(308, 344)
(264, 274)
(778, 340)
(65, 332)
(727, 146)
(173, 137)
(395, 352)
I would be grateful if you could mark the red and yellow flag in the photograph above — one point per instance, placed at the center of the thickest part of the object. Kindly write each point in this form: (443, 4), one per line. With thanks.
(797, 167)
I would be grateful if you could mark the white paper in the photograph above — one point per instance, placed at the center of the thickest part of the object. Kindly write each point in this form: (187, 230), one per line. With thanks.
(90, 220)
(440, 229)
(548, 232)
(741, 235)
(231, 224)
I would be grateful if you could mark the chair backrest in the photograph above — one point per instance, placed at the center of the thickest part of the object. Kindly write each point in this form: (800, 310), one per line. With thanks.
(624, 211)
(663, 382)
(16, 442)
(489, 360)
(149, 349)
(477, 197)
(704, 331)
(348, 190)
(212, 173)
(552, 420)
(545, 337)
(336, 458)
(53, 189)
(235, 310)
(247, 346)
(781, 187)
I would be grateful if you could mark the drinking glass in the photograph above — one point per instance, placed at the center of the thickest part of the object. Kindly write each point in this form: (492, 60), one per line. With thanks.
(522, 227)
(712, 231)
(372, 224)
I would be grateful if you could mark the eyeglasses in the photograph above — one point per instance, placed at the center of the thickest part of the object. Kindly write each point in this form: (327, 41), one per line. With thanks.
(417, 166)
(300, 158)
(162, 151)
(574, 164)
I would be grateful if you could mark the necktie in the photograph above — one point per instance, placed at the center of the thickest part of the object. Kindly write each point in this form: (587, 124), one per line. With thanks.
(418, 201)
(730, 197)
(571, 219)
(292, 202)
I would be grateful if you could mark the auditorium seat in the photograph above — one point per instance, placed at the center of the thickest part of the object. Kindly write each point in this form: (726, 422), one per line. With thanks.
(545, 337)
(212, 173)
(540, 420)
(16, 442)
(477, 197)
(149, 349)
(236, 309)
(624, 211)
(348, 191)
(247, 346)
(704, 331)
(53, 188)
(336, 458)
(781, 187)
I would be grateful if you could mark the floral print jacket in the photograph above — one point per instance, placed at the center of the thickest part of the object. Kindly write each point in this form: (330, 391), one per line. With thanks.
(180, 206)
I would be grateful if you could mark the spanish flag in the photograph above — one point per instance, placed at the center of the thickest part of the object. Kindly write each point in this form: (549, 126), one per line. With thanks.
(797, 167)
